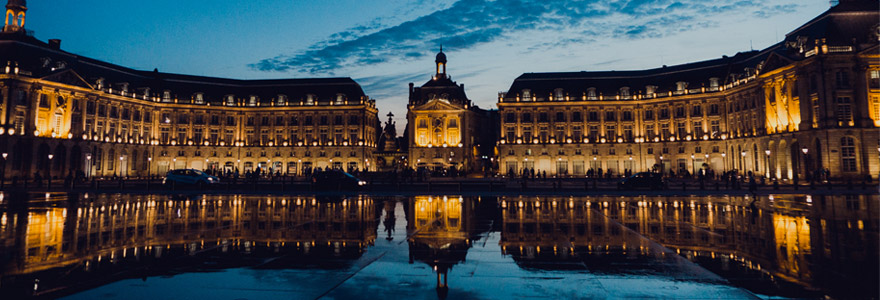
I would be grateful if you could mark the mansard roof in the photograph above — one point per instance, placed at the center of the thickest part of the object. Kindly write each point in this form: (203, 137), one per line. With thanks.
(665, 79)
(38, 59)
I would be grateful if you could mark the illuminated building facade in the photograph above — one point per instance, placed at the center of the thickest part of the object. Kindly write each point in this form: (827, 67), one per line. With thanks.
(807, 103)
(104, 119)
(442, 124)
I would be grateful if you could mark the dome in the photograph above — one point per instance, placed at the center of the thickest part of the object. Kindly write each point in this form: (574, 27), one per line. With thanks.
(16, 3)
(441, 57)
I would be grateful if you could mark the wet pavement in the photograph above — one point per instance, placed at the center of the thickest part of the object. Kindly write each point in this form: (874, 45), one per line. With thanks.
(115, 246)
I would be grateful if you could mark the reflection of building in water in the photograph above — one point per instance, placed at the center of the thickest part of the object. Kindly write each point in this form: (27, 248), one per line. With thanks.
(127, 229)
(440, 230)
(809, 240)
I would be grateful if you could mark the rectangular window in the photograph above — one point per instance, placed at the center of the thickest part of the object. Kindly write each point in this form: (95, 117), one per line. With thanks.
(562, 167)
(594, 133)
(560, 116)
(610, 133)
(698, 130)
(716, 128)
(697, 111)
(610, 116)
(842, 79)
(844, 111)
(198, 133)
(681, 130)
(874, 82)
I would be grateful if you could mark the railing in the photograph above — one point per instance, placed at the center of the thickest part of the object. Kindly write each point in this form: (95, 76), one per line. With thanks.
(839, 49)
(810, 53)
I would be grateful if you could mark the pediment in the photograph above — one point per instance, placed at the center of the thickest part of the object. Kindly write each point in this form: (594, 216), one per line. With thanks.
(437, 104)
(69, 77)
(774, 61)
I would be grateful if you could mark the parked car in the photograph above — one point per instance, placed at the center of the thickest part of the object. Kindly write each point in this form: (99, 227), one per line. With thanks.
(337, 179)
(649, 180)
(189, 177)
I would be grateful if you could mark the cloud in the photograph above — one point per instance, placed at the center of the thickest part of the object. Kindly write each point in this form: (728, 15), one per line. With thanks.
(471, 23)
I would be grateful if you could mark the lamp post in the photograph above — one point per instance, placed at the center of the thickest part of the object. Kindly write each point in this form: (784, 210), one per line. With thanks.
(49, 172)
(88, 165)
(662, 171)
(149, 166)
(767, 162)
(3, 170)
(693, 165)
(121, 166)
(742, 161)
(806, 151)
(724, 161)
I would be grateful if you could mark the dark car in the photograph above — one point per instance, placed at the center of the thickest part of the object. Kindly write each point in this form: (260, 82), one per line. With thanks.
(337, 180)
(649, 180)
(189, 177)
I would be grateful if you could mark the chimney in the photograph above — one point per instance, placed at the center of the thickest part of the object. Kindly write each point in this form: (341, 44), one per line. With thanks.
(410, 89)
(55, 44)
(462, 86)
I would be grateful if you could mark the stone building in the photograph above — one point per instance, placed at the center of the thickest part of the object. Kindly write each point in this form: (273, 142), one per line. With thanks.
(808, 103)
(442, 124)
(101, 119)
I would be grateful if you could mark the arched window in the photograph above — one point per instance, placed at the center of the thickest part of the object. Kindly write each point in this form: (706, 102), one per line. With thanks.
(310, 99)
(848, 154)
(526, 95)
(166, 96)
(281, 101)
(558, 95)
(340, 99)
(230, 100)
(591, 93)
(624, 93)
(199, 98)
(252, 101)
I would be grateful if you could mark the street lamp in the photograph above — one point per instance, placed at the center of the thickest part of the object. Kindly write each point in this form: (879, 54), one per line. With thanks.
(767, 162)
(121, 167)
(693, 165)
(3, 169)
(806, 151)
(724, 161)
(149, 165)
(742, 161)
(88, 165)
(49, 172)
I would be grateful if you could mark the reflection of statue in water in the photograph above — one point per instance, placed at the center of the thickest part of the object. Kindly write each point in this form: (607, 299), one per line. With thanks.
(390, 219)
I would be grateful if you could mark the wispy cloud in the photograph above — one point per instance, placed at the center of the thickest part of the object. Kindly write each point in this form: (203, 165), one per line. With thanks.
(471, 23)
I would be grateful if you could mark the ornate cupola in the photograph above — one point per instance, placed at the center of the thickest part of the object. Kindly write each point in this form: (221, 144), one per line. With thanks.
(441, 64)
(15, 10)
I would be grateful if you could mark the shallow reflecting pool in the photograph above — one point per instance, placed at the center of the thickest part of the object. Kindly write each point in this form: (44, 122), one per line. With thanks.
(87, 246)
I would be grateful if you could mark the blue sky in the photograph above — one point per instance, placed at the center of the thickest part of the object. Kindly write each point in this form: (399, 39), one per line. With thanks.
(384, 44)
